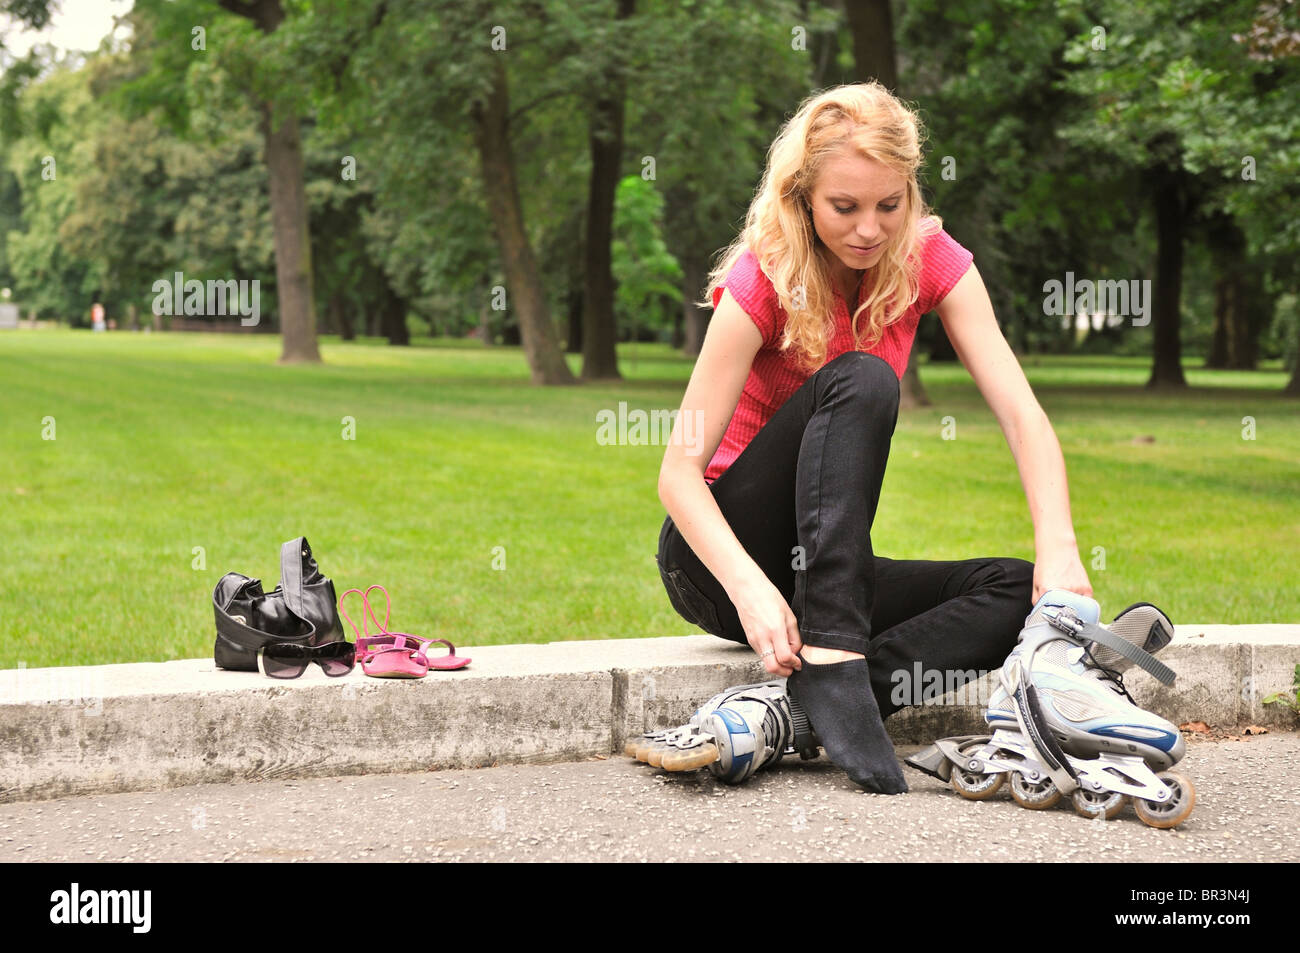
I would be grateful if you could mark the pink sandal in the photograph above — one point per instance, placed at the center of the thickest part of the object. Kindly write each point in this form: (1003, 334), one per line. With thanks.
(395, 654)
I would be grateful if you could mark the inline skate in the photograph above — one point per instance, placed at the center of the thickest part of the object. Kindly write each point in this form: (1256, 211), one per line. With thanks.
(1062, 721)
(738, 731)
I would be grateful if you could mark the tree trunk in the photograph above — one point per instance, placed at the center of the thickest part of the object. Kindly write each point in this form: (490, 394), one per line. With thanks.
(393, 316)
(1225, 244)
(694, 319)
(492, 138)
(341, 316)
(1167, 369)
(911, 392)
(824, 48)
(575, 294)
(599, 329)
(292, 237)
(485, 323)
(1293, 385)
(1242, 306)
(1254, 315)
(689, 321)
(1218, 356)
(575, 300)
(1238, 324)
(874, 57)
(872, 25)
(284, 164)
(941, 348)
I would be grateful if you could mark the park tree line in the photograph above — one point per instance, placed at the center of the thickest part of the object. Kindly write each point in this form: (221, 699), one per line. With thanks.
(561, 175)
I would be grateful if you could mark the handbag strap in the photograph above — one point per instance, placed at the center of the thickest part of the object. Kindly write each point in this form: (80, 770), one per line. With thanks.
(236, 628)
(292, 556)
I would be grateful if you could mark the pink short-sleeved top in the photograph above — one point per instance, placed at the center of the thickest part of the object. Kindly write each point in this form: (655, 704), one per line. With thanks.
(773, 377)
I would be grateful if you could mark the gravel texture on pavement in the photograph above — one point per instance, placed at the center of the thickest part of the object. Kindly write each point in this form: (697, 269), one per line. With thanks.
(617, 809)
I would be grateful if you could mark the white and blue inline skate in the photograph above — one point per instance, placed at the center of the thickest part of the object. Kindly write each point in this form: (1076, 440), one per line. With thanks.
(1063, 723)
(738, 731)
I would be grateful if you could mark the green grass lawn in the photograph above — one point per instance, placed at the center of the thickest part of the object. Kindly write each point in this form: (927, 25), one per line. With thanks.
(165, 443)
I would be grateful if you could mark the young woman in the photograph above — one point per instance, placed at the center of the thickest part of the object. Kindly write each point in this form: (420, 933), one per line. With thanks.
(796, 389)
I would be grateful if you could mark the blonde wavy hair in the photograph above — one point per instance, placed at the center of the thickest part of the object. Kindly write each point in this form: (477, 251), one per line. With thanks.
(874, 124)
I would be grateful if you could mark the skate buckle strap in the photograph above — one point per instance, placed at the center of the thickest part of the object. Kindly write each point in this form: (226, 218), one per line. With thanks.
(687, 736)
(1034, 726)
(805, 740)
(1065, 619)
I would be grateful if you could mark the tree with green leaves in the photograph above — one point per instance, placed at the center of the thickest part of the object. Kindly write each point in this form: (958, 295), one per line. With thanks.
(255, 67)
(709, 91)
(48, 132)
(424, 82)
(1175, 94)
(646, 272)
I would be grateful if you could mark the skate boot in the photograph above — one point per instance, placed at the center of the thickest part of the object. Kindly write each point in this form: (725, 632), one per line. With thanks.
(651, 746)
(938, 759)
(1063, 722)
(736, 732)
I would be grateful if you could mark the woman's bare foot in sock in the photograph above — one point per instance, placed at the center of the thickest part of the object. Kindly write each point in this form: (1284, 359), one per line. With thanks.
(834, 690)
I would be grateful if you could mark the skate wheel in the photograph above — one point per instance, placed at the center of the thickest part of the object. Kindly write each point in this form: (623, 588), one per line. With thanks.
(972, 786)
(1035, 795)
(1170, 813)
(655, 756)
(688, 759)
(643, 749)
(1107, 804)
(976, 787)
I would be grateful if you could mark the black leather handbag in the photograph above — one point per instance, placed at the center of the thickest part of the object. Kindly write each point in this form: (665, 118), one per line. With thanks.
(302, 610)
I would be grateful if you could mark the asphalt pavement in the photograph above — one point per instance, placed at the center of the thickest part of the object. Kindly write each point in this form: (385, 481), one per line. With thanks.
(616, 809)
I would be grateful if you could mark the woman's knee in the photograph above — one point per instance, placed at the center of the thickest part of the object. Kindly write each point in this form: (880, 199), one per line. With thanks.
(1010, 578)
(866, 376)
(861, 366)
(1019, 573)
(1014, 577)
(1013, 581)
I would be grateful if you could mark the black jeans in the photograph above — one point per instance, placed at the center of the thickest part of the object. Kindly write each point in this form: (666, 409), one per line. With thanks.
(801, 499)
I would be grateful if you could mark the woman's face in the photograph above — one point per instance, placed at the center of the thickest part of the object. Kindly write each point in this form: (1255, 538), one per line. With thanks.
(857, 206)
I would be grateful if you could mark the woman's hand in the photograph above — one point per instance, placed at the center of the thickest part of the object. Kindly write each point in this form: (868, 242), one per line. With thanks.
(770, 627)
(1060, 568)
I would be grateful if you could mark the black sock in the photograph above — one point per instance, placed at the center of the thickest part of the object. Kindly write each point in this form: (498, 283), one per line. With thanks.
(842, 709)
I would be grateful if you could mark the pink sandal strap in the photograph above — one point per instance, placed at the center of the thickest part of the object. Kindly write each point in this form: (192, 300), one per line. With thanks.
(369, 647)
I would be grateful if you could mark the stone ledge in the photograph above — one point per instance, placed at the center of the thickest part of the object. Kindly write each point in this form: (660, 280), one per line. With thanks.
(157, 725)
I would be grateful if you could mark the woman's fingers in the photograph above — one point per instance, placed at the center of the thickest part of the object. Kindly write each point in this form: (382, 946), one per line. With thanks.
(771, 630)
(793, 638)
(778, 654)
(784, 654)
(769, 653)
(772, 660)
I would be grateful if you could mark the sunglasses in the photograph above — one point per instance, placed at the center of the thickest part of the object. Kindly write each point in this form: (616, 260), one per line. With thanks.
(290, 660)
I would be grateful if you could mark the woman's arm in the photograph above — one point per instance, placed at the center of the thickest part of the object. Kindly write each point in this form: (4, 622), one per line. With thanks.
(967, 316)
(712, 394)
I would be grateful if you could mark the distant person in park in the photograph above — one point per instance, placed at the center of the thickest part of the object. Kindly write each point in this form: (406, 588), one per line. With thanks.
(796, 393)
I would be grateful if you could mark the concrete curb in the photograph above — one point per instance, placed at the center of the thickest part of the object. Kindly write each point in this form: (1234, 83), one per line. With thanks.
(151, 726)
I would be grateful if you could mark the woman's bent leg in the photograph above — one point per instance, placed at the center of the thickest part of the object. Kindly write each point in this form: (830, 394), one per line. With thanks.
(939, 625)
(801, 499)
